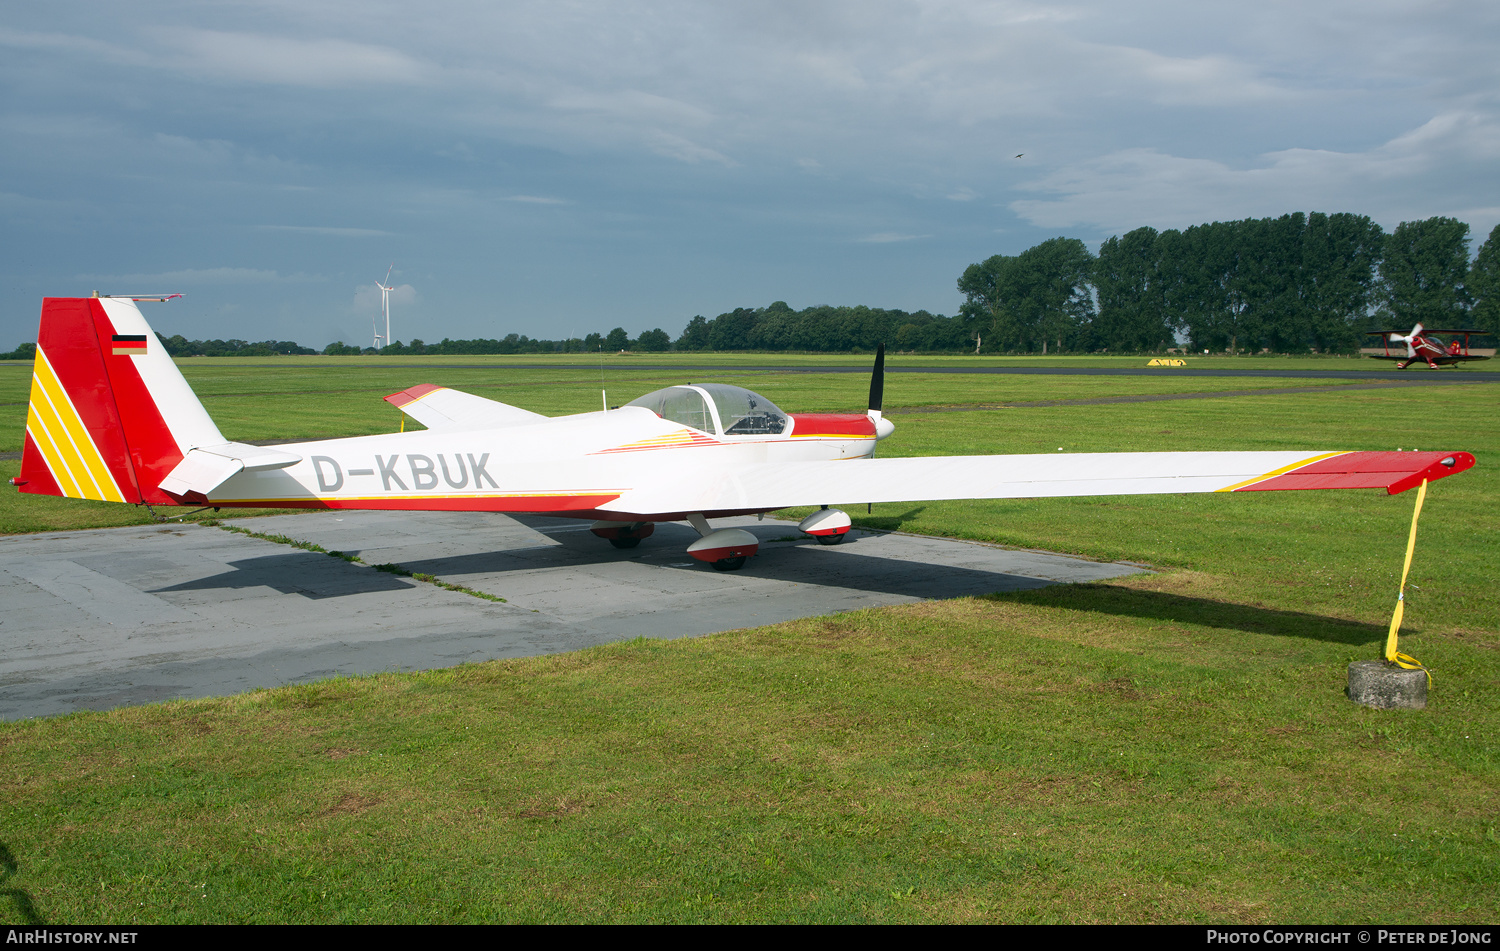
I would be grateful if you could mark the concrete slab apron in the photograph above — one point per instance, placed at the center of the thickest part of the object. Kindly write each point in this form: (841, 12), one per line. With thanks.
(113, 617)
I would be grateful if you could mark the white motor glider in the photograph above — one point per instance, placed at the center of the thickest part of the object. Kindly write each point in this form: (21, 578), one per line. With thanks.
(112, 418)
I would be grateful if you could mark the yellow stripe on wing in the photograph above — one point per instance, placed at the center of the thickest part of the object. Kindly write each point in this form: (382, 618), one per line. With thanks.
(1283, 470)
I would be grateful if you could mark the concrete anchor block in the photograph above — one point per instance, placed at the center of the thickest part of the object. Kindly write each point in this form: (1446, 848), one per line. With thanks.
(1376, 683)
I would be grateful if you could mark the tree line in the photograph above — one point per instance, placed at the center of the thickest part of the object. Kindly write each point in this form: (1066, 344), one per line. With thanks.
(1298, 283)
(1291, 284)
(179, 346)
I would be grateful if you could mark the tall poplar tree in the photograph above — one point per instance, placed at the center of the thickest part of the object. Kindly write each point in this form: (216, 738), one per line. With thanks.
(1037, 299)
(1132, 304)
(1484, 285)
(1339, 256)
(988, 308)
(1423, 272)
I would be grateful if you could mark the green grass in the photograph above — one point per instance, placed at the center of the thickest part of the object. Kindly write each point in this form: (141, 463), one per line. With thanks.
(1169, 747)
(1088, 753)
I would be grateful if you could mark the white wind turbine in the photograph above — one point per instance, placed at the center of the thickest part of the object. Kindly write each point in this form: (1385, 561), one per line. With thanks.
(385, 306)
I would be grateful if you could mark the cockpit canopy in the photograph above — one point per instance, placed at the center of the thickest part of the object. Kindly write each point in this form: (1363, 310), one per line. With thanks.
(716, 407)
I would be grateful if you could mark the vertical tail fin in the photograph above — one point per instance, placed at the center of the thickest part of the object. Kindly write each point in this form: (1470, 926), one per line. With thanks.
(110, 413)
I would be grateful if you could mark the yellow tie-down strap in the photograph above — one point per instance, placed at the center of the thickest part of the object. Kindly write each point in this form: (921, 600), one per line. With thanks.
(1391, 654)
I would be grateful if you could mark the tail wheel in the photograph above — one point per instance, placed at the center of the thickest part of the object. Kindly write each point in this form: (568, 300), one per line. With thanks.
(729, 564)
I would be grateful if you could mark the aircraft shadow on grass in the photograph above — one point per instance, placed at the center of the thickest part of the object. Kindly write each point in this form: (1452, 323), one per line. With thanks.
(891, 523)
(1105, 598)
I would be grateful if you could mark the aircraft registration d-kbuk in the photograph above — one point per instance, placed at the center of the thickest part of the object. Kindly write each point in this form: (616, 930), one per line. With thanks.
(1421, 345)
(112, 418)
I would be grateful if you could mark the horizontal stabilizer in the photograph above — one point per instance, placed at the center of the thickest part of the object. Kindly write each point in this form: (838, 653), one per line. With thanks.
(440, 408)
(936, 478)
(206, 468)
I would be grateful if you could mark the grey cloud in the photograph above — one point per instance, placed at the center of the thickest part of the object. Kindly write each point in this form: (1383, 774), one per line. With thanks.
(201, 276)
(1135, 187)
(712, 151)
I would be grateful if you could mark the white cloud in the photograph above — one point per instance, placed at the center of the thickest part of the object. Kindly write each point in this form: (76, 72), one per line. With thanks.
(1401, 179)
(288, 60)
(72, 43)
(889, 237)
(685, 150)
(336, 232)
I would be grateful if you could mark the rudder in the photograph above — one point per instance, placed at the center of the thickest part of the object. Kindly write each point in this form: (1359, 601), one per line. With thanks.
(110, 414)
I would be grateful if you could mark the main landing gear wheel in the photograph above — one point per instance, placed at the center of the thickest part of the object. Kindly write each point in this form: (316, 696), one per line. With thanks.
(729, 564)
(623, 534)
(829, 539)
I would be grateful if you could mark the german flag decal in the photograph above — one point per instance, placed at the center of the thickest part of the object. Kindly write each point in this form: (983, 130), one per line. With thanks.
(129, 345)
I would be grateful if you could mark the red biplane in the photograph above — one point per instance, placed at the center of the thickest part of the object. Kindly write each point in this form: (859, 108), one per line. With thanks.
(1422, 345)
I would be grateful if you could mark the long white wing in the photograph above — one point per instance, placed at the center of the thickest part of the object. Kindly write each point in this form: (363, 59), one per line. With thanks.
(933, 478)
(440, 408)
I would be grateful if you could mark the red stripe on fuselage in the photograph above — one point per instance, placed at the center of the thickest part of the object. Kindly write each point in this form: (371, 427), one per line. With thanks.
(519, 504)
(811, 425)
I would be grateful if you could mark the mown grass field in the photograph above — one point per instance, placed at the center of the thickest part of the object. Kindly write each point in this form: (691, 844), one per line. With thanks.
(1169, 747)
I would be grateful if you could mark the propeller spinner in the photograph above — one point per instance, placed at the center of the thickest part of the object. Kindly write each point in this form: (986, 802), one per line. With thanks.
(1416, 332)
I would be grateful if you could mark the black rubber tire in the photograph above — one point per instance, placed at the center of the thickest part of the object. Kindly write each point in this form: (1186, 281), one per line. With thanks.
(829, 539)
(729, 564)
(626, 541)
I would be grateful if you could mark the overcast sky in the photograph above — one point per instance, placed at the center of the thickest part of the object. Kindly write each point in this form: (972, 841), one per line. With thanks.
(559, 168)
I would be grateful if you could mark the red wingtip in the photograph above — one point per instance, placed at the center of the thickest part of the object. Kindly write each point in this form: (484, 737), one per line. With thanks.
(1449, 464)
(411, 394)
(1393, 471)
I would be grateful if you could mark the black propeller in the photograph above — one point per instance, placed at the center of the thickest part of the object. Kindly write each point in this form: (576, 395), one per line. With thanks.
(877, 380)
